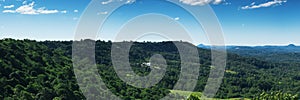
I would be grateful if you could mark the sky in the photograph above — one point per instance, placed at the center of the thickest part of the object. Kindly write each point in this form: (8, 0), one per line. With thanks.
(244, 22)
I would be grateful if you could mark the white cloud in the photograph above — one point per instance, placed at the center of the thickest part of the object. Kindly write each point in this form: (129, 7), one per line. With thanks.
(29, 9)
(130, 1)
(106, 2)
(226, 3)
(102, 13)
(267, 4)
(9, 11)
(200, 2)
(45, 11)
(64, 11)
(75, 11)
(110, 1)
(177, 18)
(10, 6)
(24, 2)
(217, 2)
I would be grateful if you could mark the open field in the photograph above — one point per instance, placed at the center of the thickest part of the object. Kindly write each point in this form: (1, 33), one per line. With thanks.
(188, 93)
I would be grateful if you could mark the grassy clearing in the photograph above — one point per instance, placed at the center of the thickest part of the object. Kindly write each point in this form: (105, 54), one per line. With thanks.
(187, 94)
(231, 72)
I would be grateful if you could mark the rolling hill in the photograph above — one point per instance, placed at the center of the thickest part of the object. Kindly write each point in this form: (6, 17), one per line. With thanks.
(43, 70)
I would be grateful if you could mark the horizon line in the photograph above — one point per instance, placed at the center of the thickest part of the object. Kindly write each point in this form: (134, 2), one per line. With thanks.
(205, 44)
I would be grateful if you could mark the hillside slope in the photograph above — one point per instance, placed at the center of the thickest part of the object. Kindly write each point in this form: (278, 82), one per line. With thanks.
(44, 70)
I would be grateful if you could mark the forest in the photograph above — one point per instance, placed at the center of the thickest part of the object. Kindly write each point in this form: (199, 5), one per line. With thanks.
(44, 70)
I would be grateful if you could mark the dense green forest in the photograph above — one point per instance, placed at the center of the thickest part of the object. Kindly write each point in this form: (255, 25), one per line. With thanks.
(44, 70)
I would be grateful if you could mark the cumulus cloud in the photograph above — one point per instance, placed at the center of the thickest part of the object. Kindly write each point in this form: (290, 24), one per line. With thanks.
(200, 2)
(29, 9)
(26, 9)
(267, 4)
(10, 6)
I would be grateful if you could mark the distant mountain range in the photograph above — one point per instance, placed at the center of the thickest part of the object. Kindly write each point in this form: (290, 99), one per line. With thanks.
(289, 53)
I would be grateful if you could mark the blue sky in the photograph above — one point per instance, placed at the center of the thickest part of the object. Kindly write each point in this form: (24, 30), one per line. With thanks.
(244, 22)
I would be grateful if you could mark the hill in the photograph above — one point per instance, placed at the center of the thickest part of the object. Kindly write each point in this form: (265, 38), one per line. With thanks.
(44, 70)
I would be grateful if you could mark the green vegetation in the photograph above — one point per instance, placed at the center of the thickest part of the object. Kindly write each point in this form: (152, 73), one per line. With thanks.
(194, 96)
(276, 96)
(185, 94)
(44, 70)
